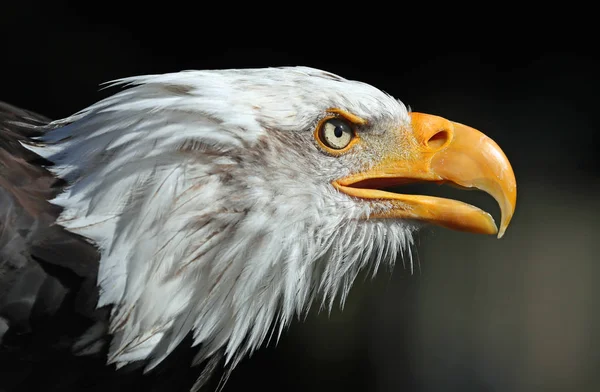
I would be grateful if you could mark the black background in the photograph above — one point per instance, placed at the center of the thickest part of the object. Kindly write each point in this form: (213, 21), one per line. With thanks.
(477, 314)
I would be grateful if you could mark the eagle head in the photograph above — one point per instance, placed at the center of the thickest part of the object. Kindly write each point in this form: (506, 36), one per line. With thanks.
(224, 203)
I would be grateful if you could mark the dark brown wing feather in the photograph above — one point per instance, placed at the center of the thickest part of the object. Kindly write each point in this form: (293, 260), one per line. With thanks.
(52, 337)
(28, 237)
(44, 270)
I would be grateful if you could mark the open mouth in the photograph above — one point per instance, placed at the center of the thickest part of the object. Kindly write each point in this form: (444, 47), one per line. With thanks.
(441, 189)
(432, 201)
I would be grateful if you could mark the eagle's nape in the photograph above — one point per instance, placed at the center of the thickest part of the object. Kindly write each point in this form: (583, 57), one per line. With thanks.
(250, 194)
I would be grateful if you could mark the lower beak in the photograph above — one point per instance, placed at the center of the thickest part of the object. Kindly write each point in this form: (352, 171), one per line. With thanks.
(444, 151)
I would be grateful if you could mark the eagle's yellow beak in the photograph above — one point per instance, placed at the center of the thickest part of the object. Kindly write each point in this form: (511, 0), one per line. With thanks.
(443, 151)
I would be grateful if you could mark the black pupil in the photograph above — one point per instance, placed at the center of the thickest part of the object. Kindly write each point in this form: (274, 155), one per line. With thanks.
(339, 130)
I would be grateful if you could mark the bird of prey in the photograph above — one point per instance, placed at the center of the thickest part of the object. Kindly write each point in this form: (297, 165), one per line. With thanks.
(201, 211)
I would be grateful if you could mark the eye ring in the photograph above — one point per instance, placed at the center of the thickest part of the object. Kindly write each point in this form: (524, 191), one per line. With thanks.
(336, 135)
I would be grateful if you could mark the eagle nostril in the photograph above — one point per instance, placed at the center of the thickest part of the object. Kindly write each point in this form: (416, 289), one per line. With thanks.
(439, 139)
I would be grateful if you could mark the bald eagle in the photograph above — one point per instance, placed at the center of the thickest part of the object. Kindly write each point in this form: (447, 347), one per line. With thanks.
(201, 211)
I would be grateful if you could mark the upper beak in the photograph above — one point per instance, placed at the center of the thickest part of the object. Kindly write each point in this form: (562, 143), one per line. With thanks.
(444, 151)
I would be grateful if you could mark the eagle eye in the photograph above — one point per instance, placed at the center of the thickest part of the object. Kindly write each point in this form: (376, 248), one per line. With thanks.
(336, 133)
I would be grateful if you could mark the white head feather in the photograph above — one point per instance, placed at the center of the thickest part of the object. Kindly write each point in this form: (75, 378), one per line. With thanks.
(212, 206)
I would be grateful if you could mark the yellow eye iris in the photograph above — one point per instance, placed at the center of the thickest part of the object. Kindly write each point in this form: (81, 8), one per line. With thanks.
(336, 133)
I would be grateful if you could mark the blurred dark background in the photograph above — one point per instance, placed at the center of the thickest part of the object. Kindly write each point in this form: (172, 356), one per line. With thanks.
(477, 314)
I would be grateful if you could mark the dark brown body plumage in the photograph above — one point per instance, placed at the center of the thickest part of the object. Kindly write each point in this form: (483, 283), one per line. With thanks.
(48, 291)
